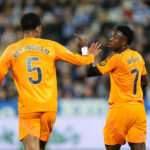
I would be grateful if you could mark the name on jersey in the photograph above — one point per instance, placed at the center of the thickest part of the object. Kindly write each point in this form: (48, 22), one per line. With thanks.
(28, 48)
(131, 60)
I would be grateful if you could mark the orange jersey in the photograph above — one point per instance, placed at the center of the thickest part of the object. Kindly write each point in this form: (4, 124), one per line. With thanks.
(126, 69)
(32, 62)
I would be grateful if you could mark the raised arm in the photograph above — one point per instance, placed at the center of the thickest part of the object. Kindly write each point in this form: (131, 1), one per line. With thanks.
(83, 43)
(62, 53)
(91, 70)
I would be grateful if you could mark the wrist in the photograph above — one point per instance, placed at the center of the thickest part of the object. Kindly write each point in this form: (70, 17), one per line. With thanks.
(84, 50)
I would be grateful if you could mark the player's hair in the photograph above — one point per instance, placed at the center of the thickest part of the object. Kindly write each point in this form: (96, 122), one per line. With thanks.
(30, 21)
(126, 31)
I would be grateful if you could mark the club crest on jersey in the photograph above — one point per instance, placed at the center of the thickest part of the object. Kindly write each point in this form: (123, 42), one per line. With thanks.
(103, 63)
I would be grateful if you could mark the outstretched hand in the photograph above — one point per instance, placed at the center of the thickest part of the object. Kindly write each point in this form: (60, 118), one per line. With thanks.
(95, 49)
(82, 42)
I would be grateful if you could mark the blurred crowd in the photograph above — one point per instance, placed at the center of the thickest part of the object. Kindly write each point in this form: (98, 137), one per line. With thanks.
(92, 19)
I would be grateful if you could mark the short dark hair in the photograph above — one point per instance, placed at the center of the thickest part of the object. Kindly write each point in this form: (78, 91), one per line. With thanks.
(30, 21)
(127, 32)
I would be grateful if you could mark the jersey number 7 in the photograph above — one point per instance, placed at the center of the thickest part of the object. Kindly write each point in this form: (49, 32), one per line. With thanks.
(135, 80)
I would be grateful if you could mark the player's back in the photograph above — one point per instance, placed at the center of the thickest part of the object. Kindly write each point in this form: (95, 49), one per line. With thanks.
(32, 62)
(126, 78)
(34, 74)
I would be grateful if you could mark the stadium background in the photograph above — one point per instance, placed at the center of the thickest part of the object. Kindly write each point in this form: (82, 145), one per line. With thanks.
(82, 101)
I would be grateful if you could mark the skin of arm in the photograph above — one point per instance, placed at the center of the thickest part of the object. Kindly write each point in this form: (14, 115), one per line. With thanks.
(144, 82)
(92, 71)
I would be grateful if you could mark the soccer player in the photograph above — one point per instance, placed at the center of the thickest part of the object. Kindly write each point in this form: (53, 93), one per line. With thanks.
(126, 118)
(32, 61)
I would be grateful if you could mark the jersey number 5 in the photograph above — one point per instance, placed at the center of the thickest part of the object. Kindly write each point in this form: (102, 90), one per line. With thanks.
(135, 80)
(35, 68)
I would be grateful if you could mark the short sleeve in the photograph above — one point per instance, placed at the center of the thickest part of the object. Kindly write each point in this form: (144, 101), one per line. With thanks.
(109, 64)
(144, 72)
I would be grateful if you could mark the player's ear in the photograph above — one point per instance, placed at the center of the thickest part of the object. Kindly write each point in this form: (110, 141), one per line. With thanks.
(38, 31)
(124, 43)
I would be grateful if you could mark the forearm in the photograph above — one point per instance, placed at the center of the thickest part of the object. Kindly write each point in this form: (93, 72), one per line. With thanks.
(79, 60)
(92, 71)
(144, 82)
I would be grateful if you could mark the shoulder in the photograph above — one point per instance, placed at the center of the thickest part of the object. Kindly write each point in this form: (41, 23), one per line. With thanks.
(114, 57)
(50, 42)
(46, 41)
(134, 52)
(137, 54)
(12, 45)
(55, 43)
(10, 48)
(111, 59)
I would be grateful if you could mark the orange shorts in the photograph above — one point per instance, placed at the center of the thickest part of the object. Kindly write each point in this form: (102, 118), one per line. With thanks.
(125, 122)
(39, 124)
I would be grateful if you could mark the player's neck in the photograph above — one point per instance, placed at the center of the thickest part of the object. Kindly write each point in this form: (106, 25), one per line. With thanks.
(29, 34)
(123, 49)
